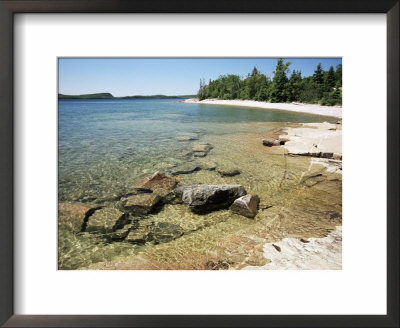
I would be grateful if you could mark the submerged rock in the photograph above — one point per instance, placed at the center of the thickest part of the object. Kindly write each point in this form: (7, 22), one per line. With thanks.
(138, 236)
(106, 220)
(246, 205)
(120, 234)
(186, 168)
(164, 232)
(73, 215)
(157, 181)
(186, 138)
(200, 154)
(167, 195)
(141, 204)
(201, 147)
(207, 165)
(228, 171)
(204, 198)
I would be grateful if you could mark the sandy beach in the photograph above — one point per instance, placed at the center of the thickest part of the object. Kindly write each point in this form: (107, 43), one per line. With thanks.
(334, 111)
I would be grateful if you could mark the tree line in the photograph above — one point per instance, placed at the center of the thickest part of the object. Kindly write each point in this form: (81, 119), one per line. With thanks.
(323, 87)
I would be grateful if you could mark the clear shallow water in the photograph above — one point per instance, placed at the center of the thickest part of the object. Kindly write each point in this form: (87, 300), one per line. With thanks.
(105, 146)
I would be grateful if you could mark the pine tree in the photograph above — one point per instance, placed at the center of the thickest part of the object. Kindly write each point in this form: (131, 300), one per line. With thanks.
(330, 79)
(278, 91)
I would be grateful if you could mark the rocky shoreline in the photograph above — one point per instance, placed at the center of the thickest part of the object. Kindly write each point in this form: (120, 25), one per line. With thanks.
(123, 218)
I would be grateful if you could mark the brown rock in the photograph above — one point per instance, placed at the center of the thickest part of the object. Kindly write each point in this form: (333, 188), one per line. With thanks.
(72, 215)
(141, 204)
(246, 205)
(157, 181)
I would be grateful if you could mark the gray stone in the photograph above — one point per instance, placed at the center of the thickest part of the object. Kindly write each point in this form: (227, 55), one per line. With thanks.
(141, 204)
(246, 205)
(164, 232)
(105, 220)
(204, 198)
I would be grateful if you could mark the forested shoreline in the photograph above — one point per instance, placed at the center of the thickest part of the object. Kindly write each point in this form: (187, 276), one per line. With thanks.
(323, 87)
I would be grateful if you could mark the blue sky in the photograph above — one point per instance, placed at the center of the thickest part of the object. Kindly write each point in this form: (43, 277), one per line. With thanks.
(175, 76)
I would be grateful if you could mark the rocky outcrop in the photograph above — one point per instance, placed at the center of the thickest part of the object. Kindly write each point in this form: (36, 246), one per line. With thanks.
(157, 181)
(164, 232)
(204, 198)
(141, 204)
(246, 205)
(73, 215)
(106, 220)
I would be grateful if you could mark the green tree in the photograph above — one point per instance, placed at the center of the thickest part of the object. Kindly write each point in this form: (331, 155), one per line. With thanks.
(295, 86)
(278, 90)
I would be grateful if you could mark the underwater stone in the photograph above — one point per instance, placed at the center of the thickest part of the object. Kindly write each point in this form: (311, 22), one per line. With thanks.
(186, 138)
(186, 168)
(105, 220)
(138, 236)
(204, 198)
(207, 165)
(141, 204)
(72, 215)
(199, 147)
(164, 232)
(228, 171)
(200, 154)
(246, 205)
(156, 181)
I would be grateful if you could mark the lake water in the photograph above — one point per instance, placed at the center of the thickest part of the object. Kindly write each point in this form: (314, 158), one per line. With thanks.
(105, 146)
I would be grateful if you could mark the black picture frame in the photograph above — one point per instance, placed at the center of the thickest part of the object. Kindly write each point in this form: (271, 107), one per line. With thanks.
(10, 7)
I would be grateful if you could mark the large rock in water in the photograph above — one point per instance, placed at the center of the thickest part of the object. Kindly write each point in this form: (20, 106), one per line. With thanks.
(246, 205)
(141, 204)
(106, 220)
(72, 215)
(157, 181)
(204, 198)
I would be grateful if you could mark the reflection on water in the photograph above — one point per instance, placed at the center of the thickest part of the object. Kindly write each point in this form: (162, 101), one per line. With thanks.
(106, 146)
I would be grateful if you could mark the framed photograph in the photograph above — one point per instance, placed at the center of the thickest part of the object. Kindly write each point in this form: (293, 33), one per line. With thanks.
(199, 164)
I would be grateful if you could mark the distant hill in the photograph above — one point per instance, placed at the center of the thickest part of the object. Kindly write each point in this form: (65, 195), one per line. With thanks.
(104, 95)
(110, 96)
